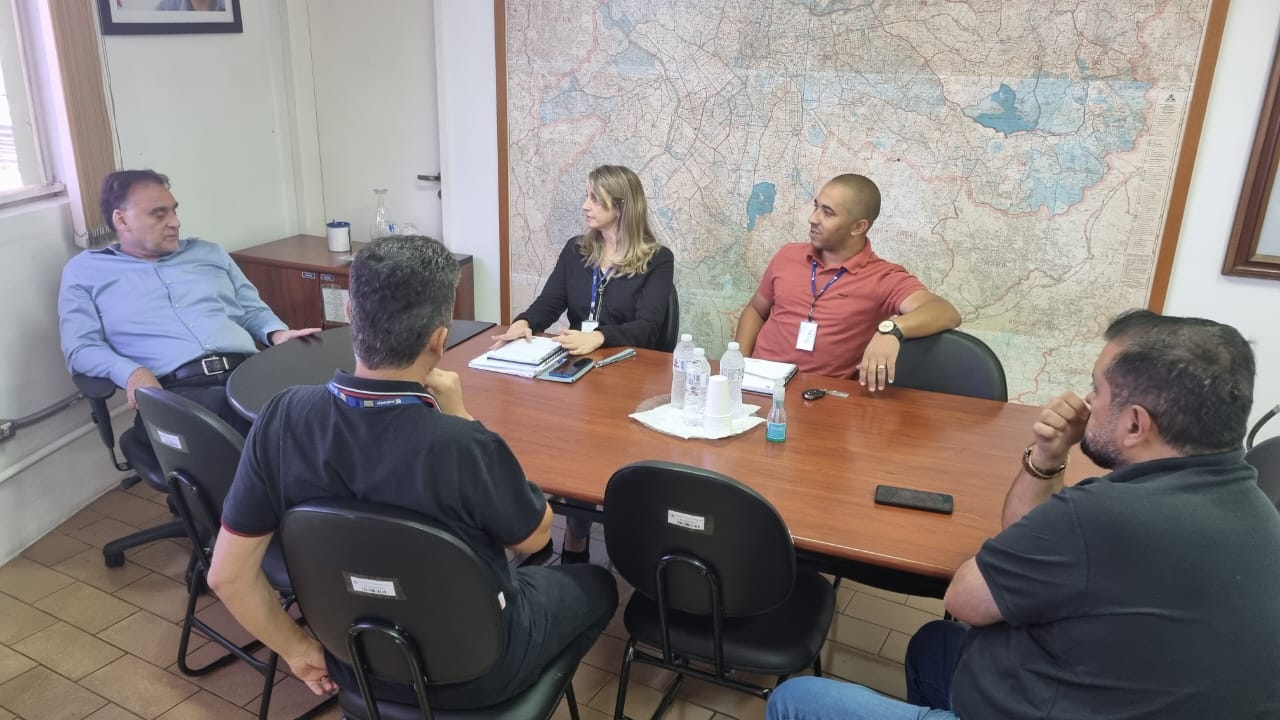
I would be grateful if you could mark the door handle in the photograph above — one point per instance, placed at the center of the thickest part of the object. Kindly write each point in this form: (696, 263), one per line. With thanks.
(432, 178)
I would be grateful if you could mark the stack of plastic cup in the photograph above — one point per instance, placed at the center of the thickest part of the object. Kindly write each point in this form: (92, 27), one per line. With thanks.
(717, 420)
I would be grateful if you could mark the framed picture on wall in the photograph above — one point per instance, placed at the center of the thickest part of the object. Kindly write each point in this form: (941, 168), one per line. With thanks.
(169, 17)
(1254, 250)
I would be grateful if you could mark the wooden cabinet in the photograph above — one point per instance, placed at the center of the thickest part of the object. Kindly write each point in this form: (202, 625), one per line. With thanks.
(298, 276)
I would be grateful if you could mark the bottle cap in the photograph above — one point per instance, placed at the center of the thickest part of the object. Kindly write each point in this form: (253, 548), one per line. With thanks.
(686, 337)
(734, 346)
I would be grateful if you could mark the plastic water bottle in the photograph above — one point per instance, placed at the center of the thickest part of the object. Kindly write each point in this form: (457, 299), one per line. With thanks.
(697, 375)
(733, 367)
(679, 362)
(775, 429)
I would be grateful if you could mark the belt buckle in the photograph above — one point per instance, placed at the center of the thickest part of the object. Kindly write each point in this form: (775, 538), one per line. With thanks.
(213, 365)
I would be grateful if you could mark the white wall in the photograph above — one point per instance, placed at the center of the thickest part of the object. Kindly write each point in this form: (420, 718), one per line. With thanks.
(37, 493)
(212, 112)
(1197, 285)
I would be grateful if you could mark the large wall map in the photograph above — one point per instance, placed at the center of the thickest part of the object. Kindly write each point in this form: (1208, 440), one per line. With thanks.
(1025, 148)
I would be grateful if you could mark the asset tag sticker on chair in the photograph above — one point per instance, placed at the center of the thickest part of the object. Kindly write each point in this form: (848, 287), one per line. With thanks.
(688, 521)
(374, 587)
(172, 440)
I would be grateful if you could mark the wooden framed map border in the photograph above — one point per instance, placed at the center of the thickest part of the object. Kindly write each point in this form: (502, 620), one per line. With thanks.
(1187, 153)
(1211, 44)
(1243, 257)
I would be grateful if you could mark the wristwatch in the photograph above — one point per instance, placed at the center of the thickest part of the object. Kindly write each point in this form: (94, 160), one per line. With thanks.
(889, 327)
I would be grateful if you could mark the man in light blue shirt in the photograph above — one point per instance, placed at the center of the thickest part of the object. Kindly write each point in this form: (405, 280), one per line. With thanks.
(153, 310)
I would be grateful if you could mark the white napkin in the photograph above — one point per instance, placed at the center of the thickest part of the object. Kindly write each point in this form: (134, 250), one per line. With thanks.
(669, 420)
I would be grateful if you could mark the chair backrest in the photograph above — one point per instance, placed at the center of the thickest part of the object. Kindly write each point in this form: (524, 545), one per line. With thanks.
(198, 452)
(951, 362)
(1265, 456)
(1253, 432)
(653, 509)
(353, 562)
(669, 333)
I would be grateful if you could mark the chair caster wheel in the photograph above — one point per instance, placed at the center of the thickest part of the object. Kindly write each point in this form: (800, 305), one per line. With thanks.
(113, 559)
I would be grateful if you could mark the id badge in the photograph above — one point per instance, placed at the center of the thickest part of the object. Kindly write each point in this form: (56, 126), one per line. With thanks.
(589, 325)
(807, 336)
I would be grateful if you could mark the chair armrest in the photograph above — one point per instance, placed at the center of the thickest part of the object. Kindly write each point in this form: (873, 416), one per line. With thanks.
(97, 390)
(94, 388)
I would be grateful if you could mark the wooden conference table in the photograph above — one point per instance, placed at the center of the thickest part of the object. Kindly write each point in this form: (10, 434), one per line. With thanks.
(571, 438)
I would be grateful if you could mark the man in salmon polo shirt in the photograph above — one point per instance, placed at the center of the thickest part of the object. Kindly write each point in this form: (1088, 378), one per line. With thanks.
(833, 307)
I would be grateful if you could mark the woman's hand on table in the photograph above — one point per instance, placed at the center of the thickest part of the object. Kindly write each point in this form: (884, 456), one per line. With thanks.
(578, 342)
(519, 329)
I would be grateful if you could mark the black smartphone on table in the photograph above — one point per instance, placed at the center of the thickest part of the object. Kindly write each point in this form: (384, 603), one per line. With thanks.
(914, 499)
(569, 370)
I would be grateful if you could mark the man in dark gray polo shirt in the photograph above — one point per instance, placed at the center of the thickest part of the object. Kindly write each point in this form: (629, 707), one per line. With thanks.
(1150, 592)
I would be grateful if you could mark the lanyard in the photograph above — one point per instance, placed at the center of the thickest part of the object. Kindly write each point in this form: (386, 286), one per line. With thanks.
(365, 399)
(813, 285)
(597, 291)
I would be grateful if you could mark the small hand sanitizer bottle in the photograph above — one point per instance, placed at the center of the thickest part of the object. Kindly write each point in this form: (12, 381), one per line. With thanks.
(776, 424)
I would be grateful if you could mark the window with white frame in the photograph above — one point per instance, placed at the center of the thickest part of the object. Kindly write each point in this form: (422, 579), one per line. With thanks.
(21, 165)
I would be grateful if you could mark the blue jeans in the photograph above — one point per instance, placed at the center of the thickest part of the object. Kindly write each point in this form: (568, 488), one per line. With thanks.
(932, 656)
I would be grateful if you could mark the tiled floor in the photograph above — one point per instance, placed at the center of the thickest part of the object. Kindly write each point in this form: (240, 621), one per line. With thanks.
(79, 640)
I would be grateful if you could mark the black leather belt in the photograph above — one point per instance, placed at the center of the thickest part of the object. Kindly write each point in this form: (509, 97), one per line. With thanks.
(207, 365)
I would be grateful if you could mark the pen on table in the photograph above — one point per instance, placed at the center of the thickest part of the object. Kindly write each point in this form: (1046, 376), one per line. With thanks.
(628, 353)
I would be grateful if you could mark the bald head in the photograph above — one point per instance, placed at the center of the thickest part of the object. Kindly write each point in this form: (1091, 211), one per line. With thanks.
(862, 197)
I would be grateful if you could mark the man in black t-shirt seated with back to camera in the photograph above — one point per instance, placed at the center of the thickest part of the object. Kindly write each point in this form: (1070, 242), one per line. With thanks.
(416, 448)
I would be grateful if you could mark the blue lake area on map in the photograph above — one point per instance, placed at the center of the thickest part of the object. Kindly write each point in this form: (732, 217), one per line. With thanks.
(761, 202)
(1066, 127)
(634, 61)
(1000, 113)
(611, 17)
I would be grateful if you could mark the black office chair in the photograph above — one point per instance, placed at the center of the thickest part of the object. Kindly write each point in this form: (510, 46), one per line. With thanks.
(199, 453)
(715, 580)
(951, 362)
(355, 564)
(669, 333)
(1265, 456)
(138, 457)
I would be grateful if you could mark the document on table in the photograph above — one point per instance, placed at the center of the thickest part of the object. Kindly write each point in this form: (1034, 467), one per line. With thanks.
(534, 351)
(760, 375)
(538, 355)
